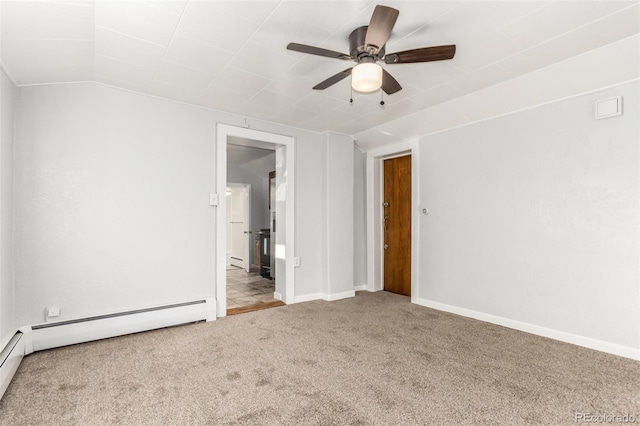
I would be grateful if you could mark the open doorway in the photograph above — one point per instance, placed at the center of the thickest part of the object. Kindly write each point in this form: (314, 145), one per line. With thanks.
(250, 223)
(241, 153)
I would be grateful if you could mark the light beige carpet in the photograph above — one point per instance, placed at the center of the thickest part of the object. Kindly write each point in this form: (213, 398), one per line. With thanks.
(373, 359)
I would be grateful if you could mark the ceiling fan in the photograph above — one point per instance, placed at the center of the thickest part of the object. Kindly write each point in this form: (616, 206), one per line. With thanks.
(367, 47)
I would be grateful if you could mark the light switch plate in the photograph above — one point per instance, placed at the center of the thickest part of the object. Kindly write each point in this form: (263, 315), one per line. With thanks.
(213, 199)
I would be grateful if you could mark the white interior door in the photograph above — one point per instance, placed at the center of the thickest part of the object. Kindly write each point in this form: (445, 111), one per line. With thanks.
(247, 241)
(235, 226)
(239, 225)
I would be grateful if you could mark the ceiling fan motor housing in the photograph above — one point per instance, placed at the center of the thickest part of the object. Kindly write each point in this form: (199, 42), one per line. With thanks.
(357, 47)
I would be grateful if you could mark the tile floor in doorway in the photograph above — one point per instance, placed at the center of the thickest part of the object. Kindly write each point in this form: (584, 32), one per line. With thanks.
(246, 289)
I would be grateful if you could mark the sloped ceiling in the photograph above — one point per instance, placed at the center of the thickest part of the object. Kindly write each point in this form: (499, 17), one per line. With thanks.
(231, 55)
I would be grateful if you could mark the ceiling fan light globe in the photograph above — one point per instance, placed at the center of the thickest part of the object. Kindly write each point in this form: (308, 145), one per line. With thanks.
(366, 77)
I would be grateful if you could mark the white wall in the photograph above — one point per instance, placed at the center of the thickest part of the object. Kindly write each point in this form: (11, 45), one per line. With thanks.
(111, 204)
(7, 323)
(339, 217)
(111, 201)
(259, 193)
(310, 204)
(534, 218)
(359, 222)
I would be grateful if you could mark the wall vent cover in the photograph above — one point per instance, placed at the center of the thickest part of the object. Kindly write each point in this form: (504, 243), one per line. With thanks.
(611, 107)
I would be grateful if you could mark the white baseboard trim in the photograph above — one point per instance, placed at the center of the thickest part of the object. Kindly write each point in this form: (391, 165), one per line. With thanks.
(587, 342)
(324, 296)
(63, 333)
(309, 297)
(362, 287)
(10, 359)
(337, 296)
(277, 296)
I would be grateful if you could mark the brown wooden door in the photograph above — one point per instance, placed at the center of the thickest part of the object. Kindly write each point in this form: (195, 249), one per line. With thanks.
(397, 225)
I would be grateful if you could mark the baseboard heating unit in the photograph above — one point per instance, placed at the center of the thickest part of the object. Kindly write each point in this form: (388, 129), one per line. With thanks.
(63, 333)
(10, 358)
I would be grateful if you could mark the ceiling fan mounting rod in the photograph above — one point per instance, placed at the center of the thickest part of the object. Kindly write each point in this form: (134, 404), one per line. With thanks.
(365, 57)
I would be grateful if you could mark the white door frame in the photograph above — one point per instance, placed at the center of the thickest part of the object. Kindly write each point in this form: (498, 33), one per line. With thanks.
(284, 279)
(247, 239)
(375, 188)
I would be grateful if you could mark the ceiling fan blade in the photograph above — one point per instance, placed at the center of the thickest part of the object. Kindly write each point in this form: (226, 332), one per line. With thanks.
(380, 27)
(317, 51)
(389, 84)
(424, 54)
(333, 79)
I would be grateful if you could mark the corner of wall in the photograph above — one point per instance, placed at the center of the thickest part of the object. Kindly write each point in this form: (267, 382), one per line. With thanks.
(7, 291)
(599, 345)
(359, 218)
(339, 215)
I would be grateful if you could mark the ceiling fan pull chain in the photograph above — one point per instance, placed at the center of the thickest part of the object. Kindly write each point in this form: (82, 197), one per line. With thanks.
(351, 96)
(381, 97)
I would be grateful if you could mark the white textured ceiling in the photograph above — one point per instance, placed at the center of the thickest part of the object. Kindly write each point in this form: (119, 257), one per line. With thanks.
(231, 55)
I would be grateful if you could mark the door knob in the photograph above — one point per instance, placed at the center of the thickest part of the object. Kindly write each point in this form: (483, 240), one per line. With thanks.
(386, 246)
